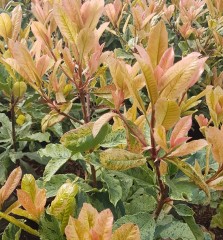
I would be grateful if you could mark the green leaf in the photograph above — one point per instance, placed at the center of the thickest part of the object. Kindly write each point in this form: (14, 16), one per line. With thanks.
(184, 210)
(177, 230)
(5, 129)
(122, 54)
(11, 232)
(188, 170)
(81, 139)
(196, 230)
(55, 151)
(59, 154)
(119, 159)
(49, 228)
(145, 222)
(217, 219)
(58, 180)
(52, 167)
(114, 138)
(181, 190)
(39, 137)
(187, 214)
(114, 188)
(140, 202)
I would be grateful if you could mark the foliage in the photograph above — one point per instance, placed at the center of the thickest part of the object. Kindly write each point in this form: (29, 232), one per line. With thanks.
(98, 101)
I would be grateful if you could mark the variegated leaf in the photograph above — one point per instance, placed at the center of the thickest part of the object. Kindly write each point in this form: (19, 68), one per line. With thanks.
(119, 159)
(188, 170)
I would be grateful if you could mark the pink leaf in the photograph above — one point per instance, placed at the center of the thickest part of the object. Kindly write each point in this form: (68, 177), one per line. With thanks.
(180, 130)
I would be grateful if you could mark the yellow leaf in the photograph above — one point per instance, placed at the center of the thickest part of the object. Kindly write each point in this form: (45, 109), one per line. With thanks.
(5, 26)
(127, 231)
(66, 26)
(177, 79)
(25, 61)
(193, 101)
(63, 204)
(158, 43)
(120, 159)
(147, 70)
(16, 21)
(41, 34)
(23, 213)
(86, 40)
(167, 113)
(29, 185)
(160, 137)
(214, 136)
(76, 230)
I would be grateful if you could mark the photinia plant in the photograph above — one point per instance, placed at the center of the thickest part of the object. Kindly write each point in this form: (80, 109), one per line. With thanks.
(114, 89)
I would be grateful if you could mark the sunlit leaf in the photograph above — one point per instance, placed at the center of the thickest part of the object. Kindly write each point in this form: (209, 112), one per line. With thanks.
(158, 43)
(5, 26)
(64, 204)
(127, 231)
(66, 26)
(16, 21)
(160, 137)
(145, 64)
(167, 113)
